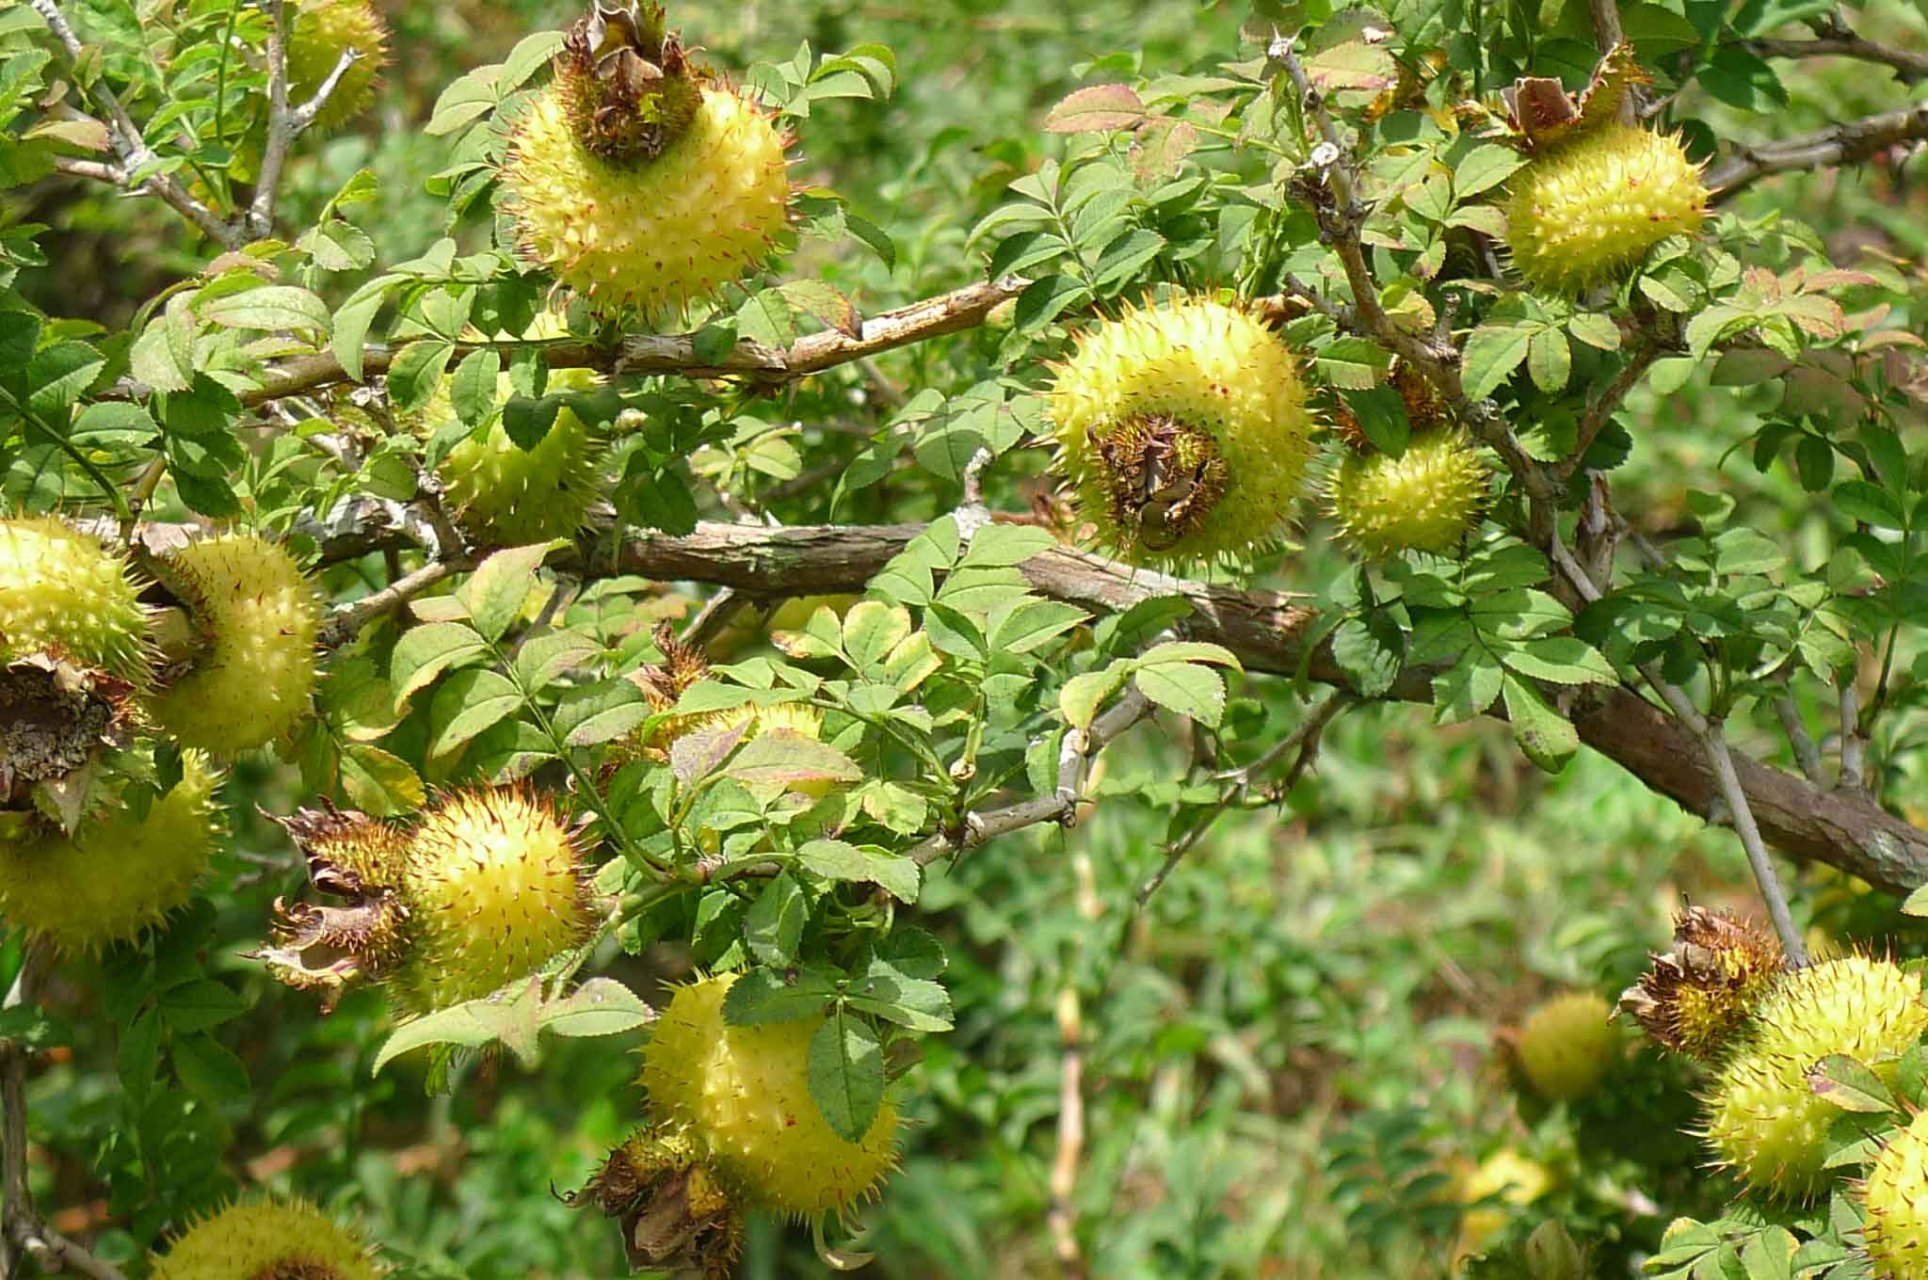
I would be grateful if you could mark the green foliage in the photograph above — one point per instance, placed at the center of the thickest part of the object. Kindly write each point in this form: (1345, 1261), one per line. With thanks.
(1172, 967)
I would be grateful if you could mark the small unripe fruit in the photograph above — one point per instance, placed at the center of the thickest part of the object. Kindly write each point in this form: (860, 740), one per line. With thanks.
(1512, 1178)
(257, 617)
(62, 593)
(744, 1092)
(1763, 1117)
(267, 1240)
(1895, 1196)
(1594, 205)
(1183, 428)
(506, 495)
(320, 32)
(1698, 995)
(118, 873)
(495, 888)
(1426, 499)
(1568, 1045)
(643, 201)
(675, 1215)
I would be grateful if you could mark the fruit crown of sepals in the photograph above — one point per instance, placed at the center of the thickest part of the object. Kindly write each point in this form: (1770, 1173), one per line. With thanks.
(330, 948)
(683, 665)
(55, 719)
(1698, 994)
(1541, 115)
(1162, 477)
(630, 87)
(674, 1213)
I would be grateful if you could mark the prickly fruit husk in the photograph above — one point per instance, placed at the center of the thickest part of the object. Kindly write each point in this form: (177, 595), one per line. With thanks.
(1568, 1045)
(358, 931)
(506, 495)
(1183, 428)
(1895, 1200)
(641, 184)
(62, 593)
(1764, 1119)
(744, 1093)
(121, 870)
(495, 887)
(1695, 997)
(321, 31)
(1426, 499)
(257, 617)
(1592, 207)
(267, 1240)
(674, 1213)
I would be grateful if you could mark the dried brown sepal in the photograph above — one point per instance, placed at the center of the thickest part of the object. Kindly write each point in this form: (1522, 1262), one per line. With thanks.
(1162, 478)
(297, 1269)
(683, 665)
(674, 1214)
(327, 947)
(1425, 408)
(55, 717)
(1697, 995)
(1542, 114)
(630, 87)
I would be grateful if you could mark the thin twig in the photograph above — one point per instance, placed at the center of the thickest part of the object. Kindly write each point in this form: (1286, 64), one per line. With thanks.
(286, 121)
(127, 141)
(1741, 814)
(1071, 1129)
(348, 619)
(1601, 410)
(1304, 739)
(1854, 744)
(1061, 806)
(716, 614)
(1713, 739)
(766, 366)
(1806, 754)
(1910, 67)
(48, 1248)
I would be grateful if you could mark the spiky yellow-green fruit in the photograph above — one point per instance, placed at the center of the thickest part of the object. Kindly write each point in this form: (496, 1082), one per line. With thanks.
(744, 1092)
(1426, 499)
(1895, 1199)
(62, 593)
(1698, 995)
(119, 872)
(322, 30)
(1593, 206)
(1183, 428)
(1568, 1044)
(643, 205)
(495, 887)
(506, 495)
(1764, 1119)
(267, 1240)
(251, 681)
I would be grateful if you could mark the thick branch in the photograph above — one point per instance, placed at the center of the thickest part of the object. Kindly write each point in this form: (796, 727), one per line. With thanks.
(676, 353)
(1267, 630)
(1847, 143)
